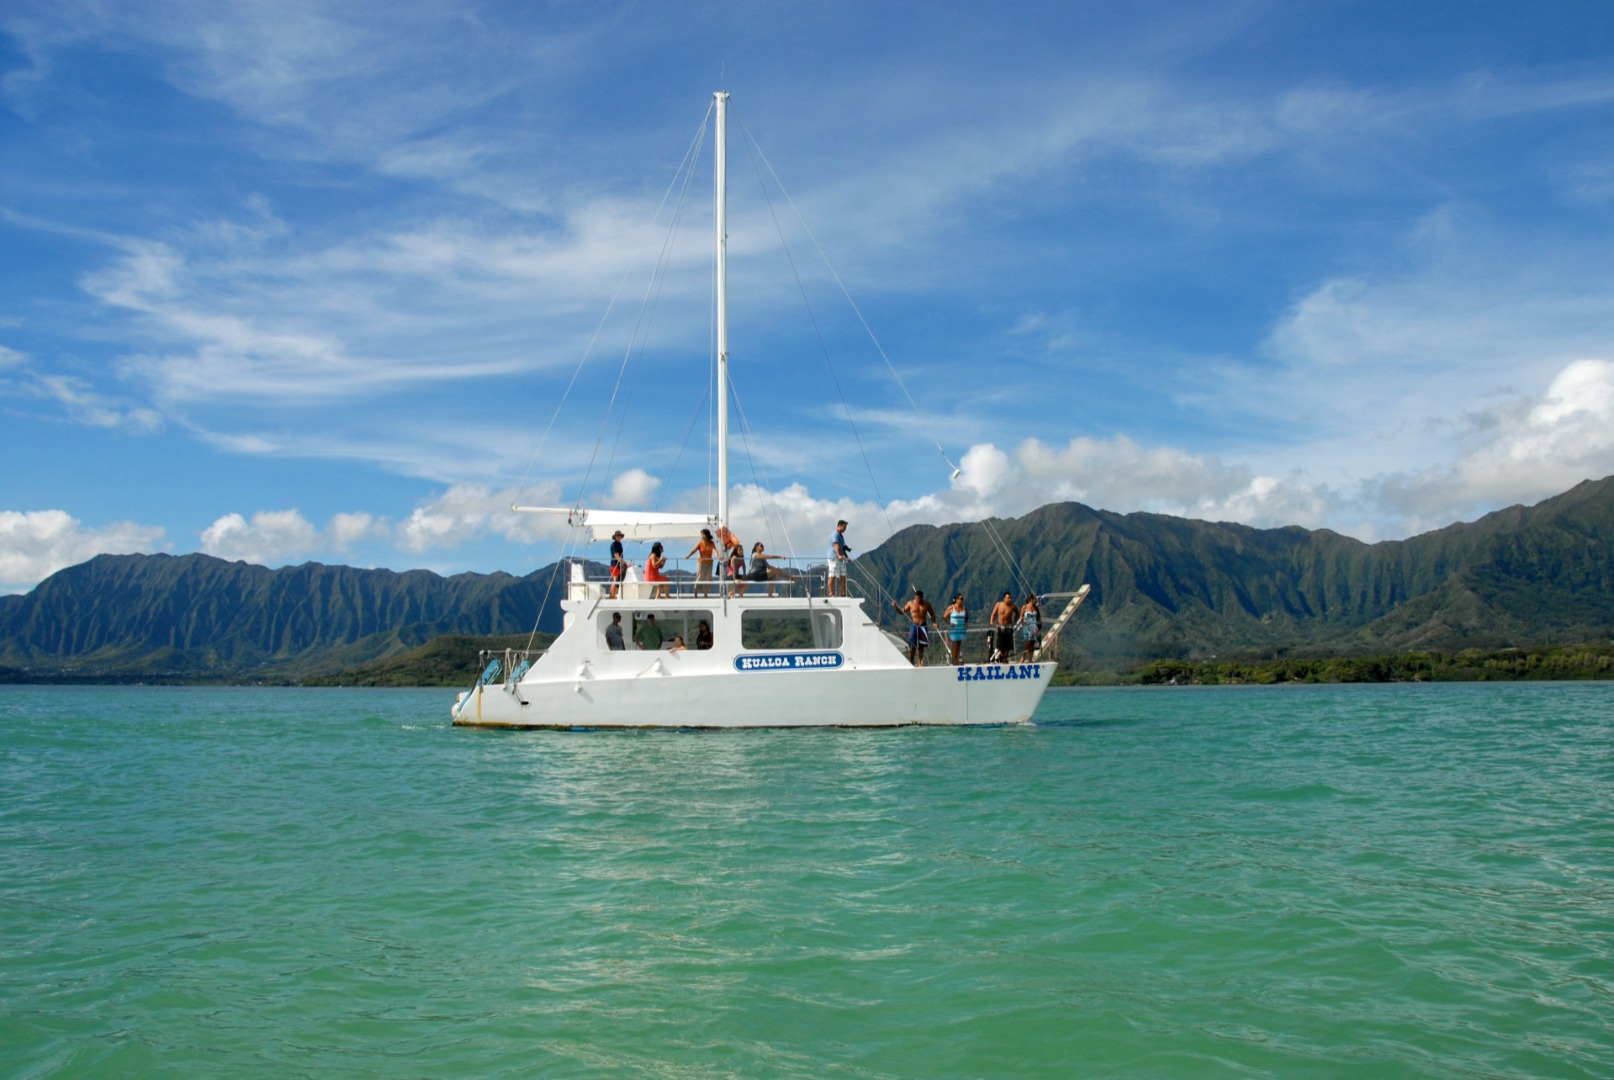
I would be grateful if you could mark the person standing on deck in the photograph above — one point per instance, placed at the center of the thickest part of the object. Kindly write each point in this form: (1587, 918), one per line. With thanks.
(619, 564)
(958, 619)
(839, 553)
(920, 613)
(1004, 616)
(729, 544)
(705, 548)
(1030, 627)
(654, 573)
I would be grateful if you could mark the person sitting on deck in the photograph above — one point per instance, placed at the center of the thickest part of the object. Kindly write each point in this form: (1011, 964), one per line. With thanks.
(760, 570)
(736, 566)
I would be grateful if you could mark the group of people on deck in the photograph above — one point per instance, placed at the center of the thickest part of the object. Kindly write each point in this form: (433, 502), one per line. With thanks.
(1007, 621)
(705, 554)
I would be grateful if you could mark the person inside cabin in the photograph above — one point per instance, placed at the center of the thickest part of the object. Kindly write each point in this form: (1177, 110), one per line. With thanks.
(648, 636)
(760, 570)
(839, 554)
(920, 615)
(619, 564)
(674, 644)
(1030, 627)
(703, 635)
(653, 568)
(613, 633)
(958, 618)
(1004, 616)
(705, 549)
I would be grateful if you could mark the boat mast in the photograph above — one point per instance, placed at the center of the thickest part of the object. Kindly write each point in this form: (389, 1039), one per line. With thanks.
(720, 214)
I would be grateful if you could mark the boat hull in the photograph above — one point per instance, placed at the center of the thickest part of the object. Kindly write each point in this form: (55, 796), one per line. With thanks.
(968, 695)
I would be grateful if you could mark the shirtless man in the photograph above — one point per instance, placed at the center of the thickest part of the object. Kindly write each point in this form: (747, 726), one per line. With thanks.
(920, 612)
(1004, 616)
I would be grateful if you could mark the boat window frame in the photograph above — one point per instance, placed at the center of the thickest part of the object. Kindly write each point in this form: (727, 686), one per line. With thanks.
(689, 619)
(824, 628)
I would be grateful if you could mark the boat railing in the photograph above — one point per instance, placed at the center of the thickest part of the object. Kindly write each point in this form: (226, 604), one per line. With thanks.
(505, 666)
(786, 577)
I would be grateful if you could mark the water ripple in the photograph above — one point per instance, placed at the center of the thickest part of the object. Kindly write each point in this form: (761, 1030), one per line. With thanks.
(1391, 881)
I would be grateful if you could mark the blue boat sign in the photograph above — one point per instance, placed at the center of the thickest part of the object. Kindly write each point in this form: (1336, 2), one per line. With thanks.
(790, 661)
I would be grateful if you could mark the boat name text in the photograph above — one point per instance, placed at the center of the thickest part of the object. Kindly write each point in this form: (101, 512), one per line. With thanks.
(966, 672)
(788, 661)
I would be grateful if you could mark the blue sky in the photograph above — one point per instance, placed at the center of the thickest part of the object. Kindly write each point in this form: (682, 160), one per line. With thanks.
(305, 281)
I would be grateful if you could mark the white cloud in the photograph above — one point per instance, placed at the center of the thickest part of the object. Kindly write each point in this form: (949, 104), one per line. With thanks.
(86, 406)
(1522, 450)
(271, 537)
(35, 544)
(345, 530)
(633, 488)
(467, 512)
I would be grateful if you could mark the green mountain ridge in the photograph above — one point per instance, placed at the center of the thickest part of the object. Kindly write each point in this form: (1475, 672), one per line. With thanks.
(1163, 588)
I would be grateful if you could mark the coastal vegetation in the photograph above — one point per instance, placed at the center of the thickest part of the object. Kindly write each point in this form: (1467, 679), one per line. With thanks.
(1594, 661)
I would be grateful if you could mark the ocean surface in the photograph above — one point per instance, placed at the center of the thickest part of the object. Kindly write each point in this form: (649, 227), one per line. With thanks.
(1373, 881)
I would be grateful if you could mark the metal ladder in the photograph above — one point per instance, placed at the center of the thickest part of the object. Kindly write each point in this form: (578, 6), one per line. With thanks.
(1051, 637)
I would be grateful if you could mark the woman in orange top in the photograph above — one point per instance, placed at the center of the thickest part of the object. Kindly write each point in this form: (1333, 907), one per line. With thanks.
(706, 548)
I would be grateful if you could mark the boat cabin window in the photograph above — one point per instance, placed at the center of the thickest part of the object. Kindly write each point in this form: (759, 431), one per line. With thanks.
(680, 622)
(798, 629)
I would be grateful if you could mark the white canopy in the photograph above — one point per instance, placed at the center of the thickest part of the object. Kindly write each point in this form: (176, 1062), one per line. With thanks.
(634, 524)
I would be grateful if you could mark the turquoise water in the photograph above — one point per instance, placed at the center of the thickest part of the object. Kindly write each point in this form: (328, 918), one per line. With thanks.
(1403, 881)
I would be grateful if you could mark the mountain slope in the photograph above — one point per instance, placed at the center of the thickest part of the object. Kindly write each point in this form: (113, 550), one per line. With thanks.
(1163, 587)
(176, 614)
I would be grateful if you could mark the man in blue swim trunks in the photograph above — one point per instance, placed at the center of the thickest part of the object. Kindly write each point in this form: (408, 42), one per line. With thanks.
(920, 613)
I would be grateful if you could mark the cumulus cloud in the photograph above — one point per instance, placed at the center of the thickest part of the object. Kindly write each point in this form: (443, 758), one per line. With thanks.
(1522, 450)
(467, 512)
(635, 487)
(272, 537)
(35, 544)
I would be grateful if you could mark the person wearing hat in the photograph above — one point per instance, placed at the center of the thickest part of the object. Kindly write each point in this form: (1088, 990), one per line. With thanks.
(618, 563)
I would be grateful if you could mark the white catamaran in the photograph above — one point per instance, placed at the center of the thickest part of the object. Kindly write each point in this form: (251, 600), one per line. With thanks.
(757, 654)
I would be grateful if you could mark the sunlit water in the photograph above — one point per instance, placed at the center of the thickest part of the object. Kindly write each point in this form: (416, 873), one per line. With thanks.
(1407, 881)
